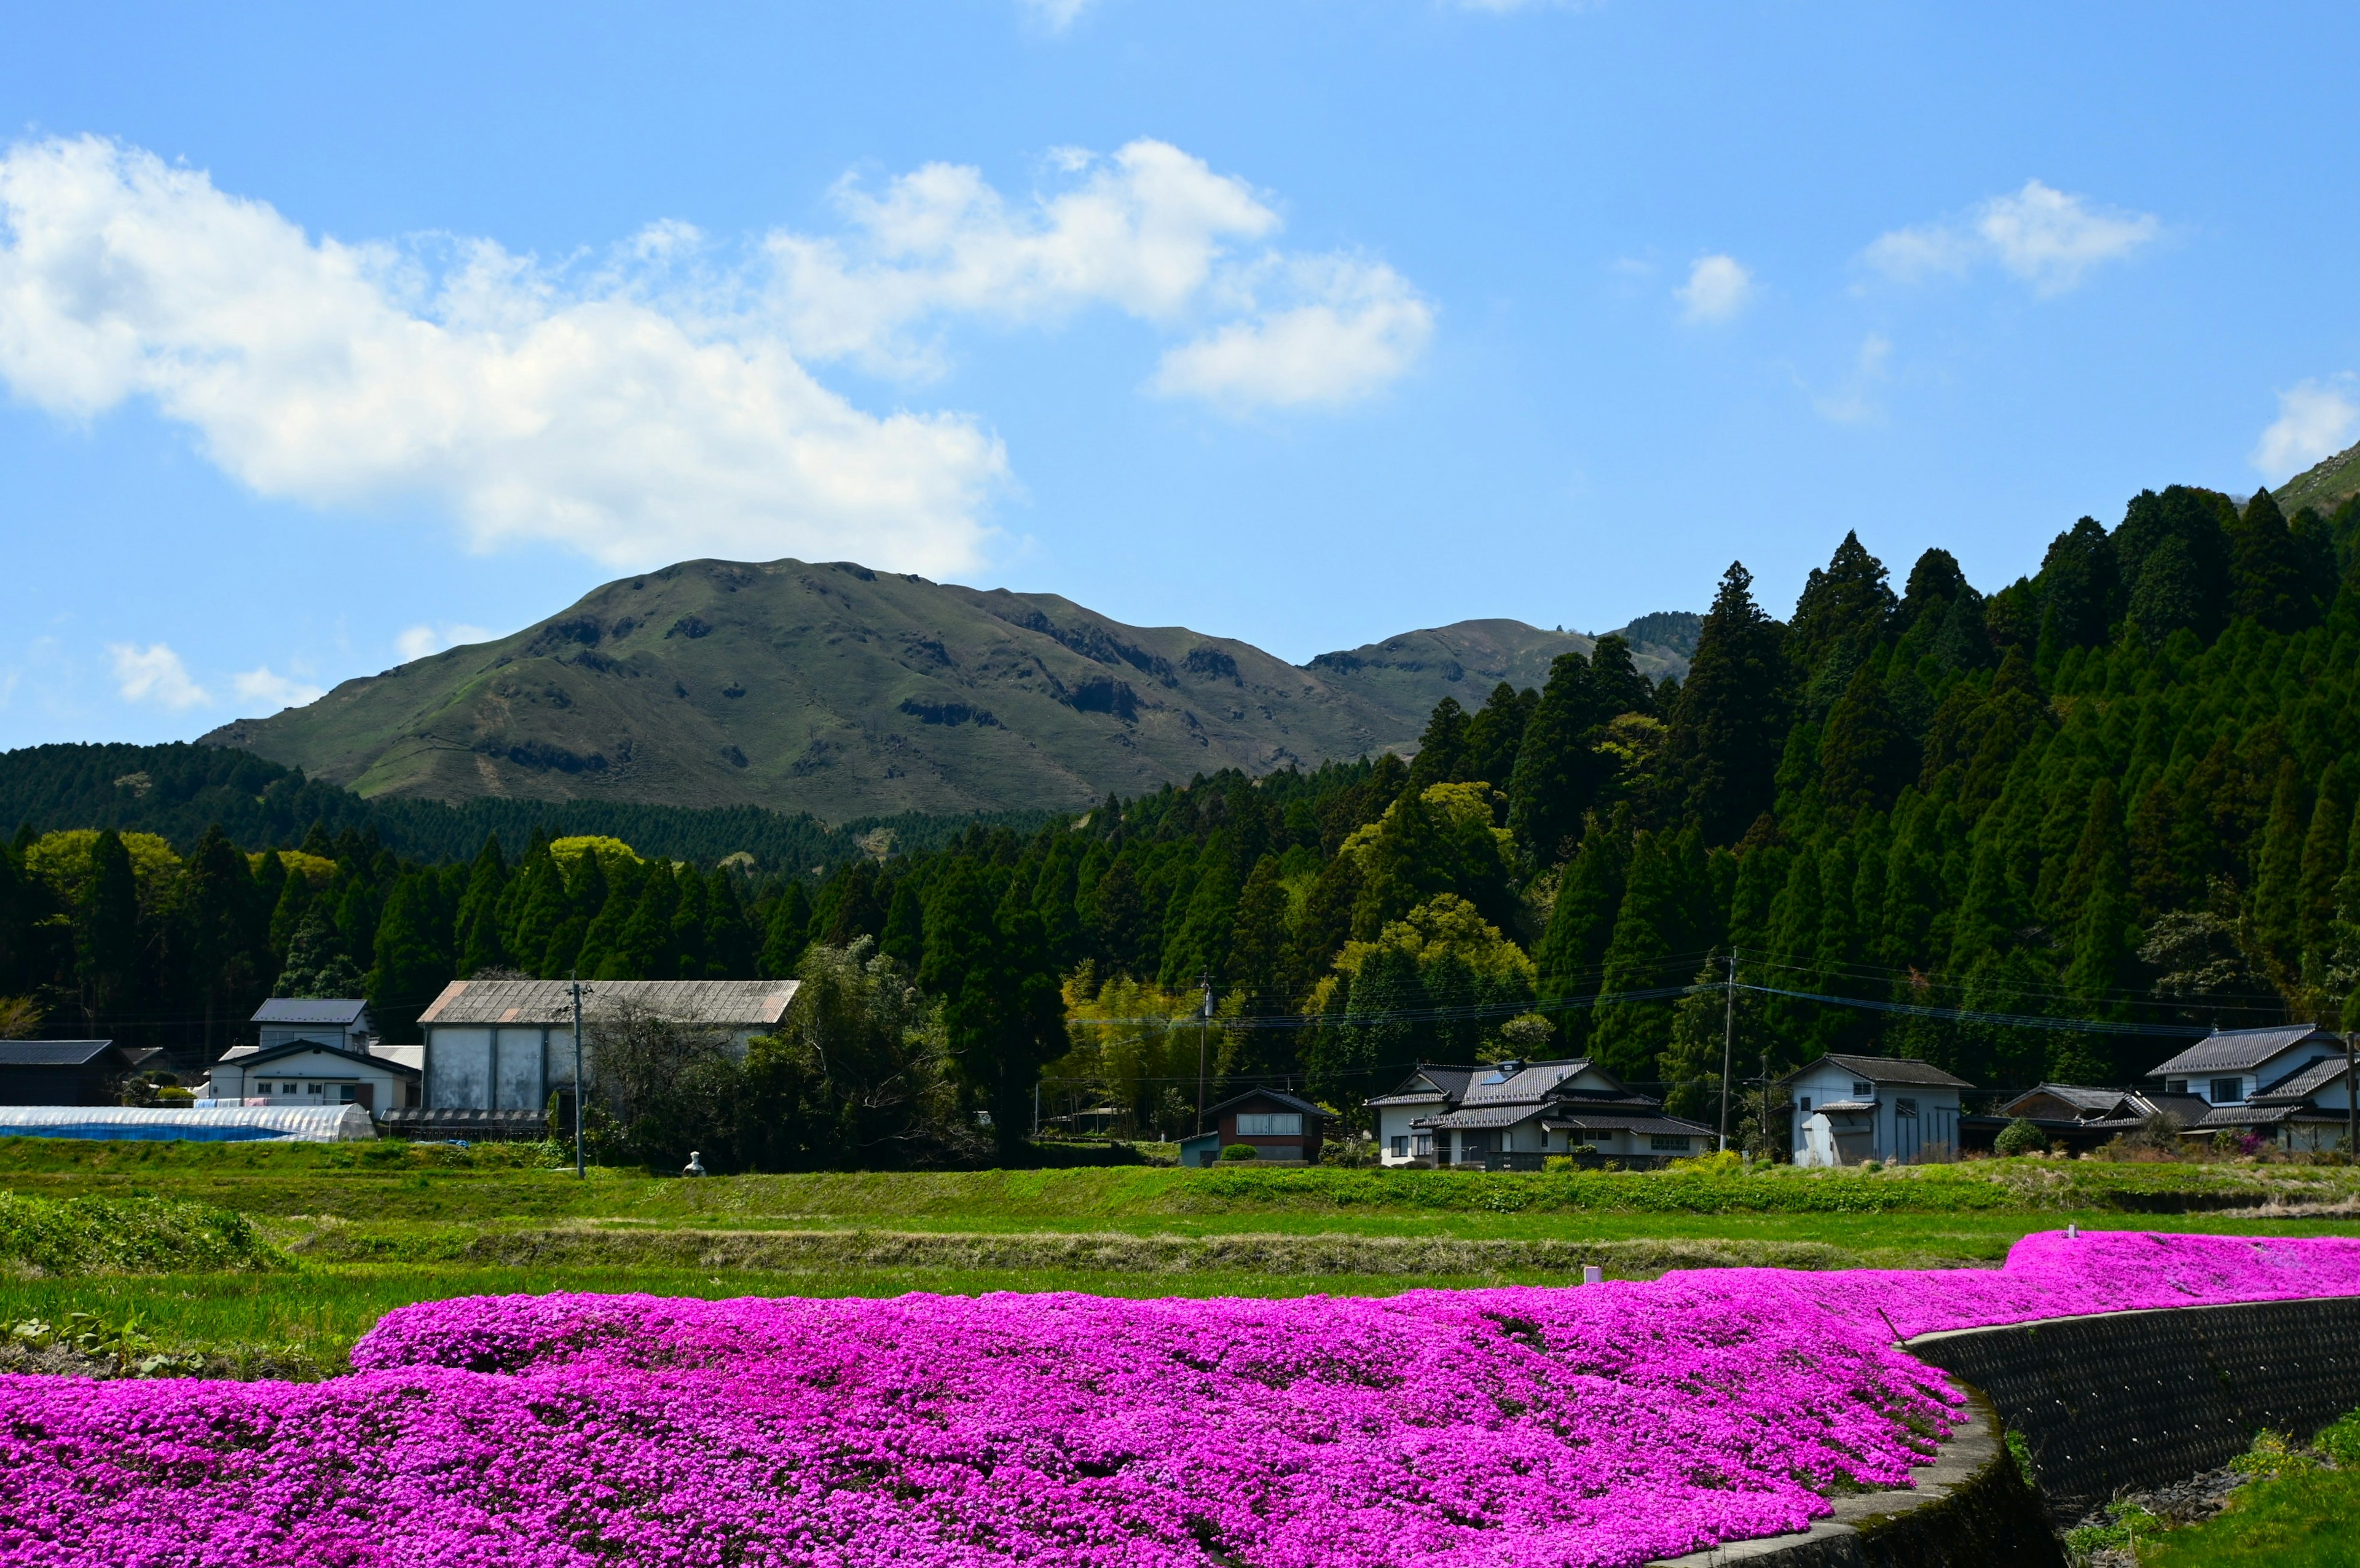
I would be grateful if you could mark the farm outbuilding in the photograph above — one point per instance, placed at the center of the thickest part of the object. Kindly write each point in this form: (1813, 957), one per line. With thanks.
(507, 1045)
(66, 1072)
(1851, 1109)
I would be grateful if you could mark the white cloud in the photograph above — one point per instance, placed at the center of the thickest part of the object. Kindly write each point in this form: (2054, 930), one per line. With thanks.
(653, 404)
(317, 372)
(1718, 288)
(155, 674)
(1855, 402)
(2315, 421)
(262, 689)
(2041, 235)
(420, 641)
(1054, 14)
(1338, 330)
(1144, 231)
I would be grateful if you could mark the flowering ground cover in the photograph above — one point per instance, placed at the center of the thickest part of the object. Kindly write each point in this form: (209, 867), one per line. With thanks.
(1603, 1425)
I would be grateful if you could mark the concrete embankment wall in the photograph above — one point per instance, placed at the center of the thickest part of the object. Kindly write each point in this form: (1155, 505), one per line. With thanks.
(2140, 1400)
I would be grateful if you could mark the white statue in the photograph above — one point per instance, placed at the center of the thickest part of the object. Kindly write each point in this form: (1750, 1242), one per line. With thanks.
(696, 1166)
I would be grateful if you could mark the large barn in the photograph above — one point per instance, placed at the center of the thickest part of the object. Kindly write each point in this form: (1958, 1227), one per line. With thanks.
(507, 1045)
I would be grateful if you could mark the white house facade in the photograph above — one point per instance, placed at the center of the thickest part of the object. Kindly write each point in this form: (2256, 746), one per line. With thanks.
(2286, 1086)
(1513, 1114)
(305, 1073)
(340, 1021)
(507, 1045)
(1850, 1110)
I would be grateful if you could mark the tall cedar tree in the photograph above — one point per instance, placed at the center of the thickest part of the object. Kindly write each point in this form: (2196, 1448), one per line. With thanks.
(1002, 1009)
(482, 943)
(107, 937)
(1843, 609)
(1730, 726)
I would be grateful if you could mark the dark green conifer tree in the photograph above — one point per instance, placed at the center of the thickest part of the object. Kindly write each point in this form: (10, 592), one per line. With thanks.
(1865, 757)
(1442, 749)
(413, 957)
(729, 944)
(1843, 610)
(905, 941)
(224, 936)
(1729, 727)
(2323, 847)
(1659, 933)
(2277, 888)
(1120, 922)
(482, 943)
(107, 938)
(2267, 579)
(1496, 735)
(1558, 771)
(2080, 582)
(691, 917)
(786, 934)
(1002, 1012)
(1572, 952)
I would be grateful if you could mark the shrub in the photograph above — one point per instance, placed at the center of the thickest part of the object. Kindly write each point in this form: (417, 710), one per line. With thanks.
(1241, 1152)
(2020, 1137)
(127, 1236)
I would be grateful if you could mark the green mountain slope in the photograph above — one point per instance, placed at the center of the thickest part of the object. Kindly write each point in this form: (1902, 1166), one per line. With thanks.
(2324, 486)
(833, 689)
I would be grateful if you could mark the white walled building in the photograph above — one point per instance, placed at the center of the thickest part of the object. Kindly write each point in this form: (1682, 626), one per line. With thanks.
(316, 1052)
(2286, 1086)
(1848, 1109)
(507, 1045)
(1518, 1113)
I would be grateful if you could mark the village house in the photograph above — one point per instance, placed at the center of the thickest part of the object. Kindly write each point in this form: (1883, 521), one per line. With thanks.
(2286, 1086)
(2078, 1115)
(315, 1052)
(1511, 1116)
(1851, 1110)
(507, 1045)
(67, 1071)
(1275, 1125)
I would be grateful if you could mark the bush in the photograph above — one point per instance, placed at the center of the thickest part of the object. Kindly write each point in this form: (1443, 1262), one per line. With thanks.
(1241, 1152)
(2020, 1137)
(127, 1236)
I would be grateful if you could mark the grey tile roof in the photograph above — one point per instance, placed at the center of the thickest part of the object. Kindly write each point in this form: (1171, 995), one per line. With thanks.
(1447, 1082)
(50, 1053)
(2259, 1115)
(1431, 1098)
(1846, 1105)
(1276, 1096)
(343, 1010)
(1895, 1070)
(249, 1060)
(1476, 1120)
(2099, 1102)
(723, 1004)
(1662, 1126)
(2242, 1050)
(2305, 1081)
(1534, 1082)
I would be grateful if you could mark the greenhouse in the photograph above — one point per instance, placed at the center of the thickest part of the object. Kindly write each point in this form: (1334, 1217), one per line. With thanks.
(221, 1124)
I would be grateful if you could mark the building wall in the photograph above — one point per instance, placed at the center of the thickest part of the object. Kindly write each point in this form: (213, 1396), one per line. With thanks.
(1937, 1119)
(235, 1078)
(513, 1067)
(57, 1086)
(1304, 1146)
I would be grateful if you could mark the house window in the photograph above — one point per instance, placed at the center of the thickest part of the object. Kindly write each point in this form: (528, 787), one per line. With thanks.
(310, 1088)
(1288, 1124)
(345, 1093)
(1401, 1147)
(2175, 1085)
(1905, 1107)
(2228, 1091)
(1668, 1143)
(1804, 1104)
(1421, 1146)
(1863, 1090)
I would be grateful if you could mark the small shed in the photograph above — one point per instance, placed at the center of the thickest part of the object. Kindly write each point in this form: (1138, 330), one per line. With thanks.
(1278, 1126)
(66, 1072)
(340, 1021)
(1848, 1109)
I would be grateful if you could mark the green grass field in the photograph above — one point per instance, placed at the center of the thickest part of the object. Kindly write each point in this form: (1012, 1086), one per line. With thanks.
(371, 1226)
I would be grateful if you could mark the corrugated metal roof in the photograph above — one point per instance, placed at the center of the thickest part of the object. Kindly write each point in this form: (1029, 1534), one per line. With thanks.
(1845, 1106)
(2242, 1050)
(50, 1053)
(252, 1060)
(725, 1004)
(343, 1010)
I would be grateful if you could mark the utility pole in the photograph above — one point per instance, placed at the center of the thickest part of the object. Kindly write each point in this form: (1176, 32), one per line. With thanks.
(1728, 1043)
(1204, 1036)
(575, 987)
(2350, 1101)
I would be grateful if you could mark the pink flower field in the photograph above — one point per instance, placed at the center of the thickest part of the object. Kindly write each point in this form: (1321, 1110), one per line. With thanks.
(1587, 1425)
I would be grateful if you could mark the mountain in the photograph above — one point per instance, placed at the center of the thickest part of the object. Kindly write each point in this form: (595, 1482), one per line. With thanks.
(2324, 486)
(850, 694)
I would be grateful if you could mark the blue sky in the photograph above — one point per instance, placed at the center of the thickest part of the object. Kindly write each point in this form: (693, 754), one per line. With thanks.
(328, 339)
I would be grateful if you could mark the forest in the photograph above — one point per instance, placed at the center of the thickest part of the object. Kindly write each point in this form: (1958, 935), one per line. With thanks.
(2119, 791)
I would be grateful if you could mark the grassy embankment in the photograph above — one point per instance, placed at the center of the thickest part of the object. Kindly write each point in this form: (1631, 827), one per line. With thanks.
(367, 1228)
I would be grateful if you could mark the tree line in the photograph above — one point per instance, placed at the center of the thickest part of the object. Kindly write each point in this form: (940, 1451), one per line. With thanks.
(2121, 788)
